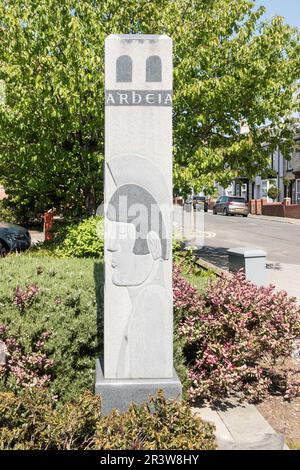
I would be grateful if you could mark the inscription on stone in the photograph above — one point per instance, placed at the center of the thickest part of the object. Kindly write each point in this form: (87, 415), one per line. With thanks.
(138, 98)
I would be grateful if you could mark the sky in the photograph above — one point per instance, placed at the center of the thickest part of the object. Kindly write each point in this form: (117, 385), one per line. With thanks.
(290, 9)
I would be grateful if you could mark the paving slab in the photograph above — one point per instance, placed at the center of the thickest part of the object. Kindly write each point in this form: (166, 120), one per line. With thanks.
(208, 414)
(285, 276)
(241, 427)
(244, 421)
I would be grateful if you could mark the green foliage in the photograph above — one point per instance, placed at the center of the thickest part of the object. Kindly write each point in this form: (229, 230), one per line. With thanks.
(228, 69)
(177, 249)
(199, 278)
(273, 192)
(83, 240)
(68, 306)
(225, 76)
(6, 214)
(287, 182)
(33, 420)
(185, 258)
(235, 332)
(160, 424)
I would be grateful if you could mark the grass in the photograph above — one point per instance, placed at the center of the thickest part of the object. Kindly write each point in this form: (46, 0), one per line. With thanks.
(69, 305)
(200, 278)
(200, 281)
(196, 276)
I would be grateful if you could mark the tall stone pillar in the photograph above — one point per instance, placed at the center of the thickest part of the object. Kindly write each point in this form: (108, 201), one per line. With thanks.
(138, 310)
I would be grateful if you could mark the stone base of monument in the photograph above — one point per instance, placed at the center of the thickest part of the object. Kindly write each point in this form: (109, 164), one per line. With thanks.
(120, 393)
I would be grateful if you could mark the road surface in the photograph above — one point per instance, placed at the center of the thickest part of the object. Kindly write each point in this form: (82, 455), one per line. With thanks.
(214, 234)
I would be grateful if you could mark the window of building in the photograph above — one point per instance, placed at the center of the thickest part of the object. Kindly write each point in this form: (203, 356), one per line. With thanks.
(237, 189)
(124, 69)
(265, 186)
(298, 191)
(153, 69)
(289, 165)
(244, 190)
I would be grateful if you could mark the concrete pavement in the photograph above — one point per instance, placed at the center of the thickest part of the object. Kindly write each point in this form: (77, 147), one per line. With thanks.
(240, 426)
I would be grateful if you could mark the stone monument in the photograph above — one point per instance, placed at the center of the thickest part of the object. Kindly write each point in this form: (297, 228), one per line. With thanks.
(138, 310)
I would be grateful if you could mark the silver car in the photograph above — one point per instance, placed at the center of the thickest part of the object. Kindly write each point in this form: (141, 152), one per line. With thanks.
(231, 205)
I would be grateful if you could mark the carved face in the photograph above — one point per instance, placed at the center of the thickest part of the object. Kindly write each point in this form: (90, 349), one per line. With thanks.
(129, 269)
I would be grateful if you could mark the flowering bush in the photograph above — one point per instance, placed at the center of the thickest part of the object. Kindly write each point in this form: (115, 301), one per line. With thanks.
(229, 331)
(24, 297)
(187, 299)
(23, 369)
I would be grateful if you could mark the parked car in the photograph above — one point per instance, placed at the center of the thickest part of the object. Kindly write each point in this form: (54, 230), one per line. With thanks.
(199, 203)
(13, 238)
(231, 205)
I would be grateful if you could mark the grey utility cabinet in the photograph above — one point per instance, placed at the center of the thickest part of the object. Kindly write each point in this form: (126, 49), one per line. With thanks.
(252, 261)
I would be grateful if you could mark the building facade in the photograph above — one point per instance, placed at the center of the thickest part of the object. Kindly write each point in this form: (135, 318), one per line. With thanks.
(285, 177)
(292, 176)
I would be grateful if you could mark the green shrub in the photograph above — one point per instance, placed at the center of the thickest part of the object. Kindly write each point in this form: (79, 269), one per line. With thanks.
(74, 240)
(273, 192)
(177, 248)
(83, 240)
(67, 305)
(6, 214)
(158, 424)
(34, 420)
(230, 330)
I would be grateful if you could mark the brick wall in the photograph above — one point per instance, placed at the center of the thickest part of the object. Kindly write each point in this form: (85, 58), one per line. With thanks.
(275, 209)
(292, 211)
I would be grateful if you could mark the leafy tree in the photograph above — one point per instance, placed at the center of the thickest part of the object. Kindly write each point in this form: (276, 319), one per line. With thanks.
(273, 192)
(232, 71)
(229, 68)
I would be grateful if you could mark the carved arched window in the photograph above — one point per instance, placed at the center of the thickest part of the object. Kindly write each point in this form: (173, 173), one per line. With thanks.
(124, 69)
(153, 69)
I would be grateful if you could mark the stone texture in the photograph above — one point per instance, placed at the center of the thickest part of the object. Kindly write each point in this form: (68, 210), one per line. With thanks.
(120, 393)
(138, 309)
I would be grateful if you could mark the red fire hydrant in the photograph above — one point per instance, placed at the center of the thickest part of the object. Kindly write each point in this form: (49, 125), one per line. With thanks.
(48, 224)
